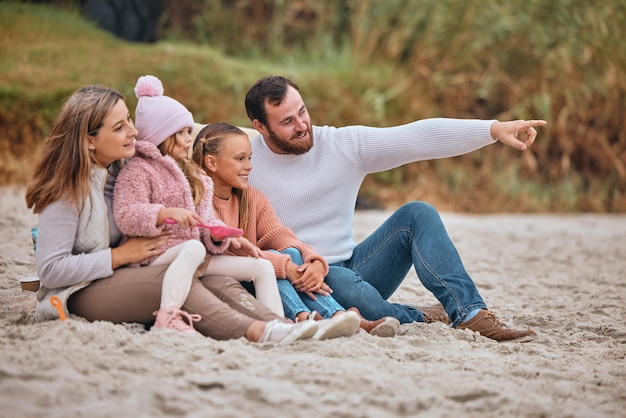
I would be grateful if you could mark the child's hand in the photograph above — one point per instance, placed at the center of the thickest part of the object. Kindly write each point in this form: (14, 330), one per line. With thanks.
(311, 278)
(185, 218)
(242, 247)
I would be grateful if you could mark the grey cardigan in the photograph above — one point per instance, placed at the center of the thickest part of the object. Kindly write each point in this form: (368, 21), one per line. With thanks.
(74, 247)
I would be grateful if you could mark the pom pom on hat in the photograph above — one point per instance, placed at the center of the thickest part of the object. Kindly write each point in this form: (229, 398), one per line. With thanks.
(148, 85)
(157, 117)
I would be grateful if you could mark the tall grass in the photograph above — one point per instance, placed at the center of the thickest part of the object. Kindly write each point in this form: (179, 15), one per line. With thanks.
(559, 60)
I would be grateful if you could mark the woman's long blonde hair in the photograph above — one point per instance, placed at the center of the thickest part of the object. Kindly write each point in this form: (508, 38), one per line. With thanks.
(63, 165)
(210, 141)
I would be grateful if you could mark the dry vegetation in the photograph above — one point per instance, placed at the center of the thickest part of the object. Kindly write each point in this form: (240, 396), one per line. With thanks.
(364, 62)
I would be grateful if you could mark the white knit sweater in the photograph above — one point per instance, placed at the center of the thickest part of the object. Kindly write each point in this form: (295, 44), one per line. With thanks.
(315, 193)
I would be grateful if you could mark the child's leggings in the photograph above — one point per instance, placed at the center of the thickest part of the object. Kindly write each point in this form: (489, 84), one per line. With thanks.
(183, 260)
(245, 269)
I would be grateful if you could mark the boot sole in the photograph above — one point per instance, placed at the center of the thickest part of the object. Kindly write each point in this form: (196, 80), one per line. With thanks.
(389, 328)
(344, 325)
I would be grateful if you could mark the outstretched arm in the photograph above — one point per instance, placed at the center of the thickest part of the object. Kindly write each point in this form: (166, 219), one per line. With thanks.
(519, 134)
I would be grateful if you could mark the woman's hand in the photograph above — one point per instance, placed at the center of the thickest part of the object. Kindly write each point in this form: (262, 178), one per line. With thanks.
(137, 249)
(184, 217)
(244, 248)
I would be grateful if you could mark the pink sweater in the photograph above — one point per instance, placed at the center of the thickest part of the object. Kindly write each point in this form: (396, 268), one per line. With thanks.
(150, 182)
(265, 230)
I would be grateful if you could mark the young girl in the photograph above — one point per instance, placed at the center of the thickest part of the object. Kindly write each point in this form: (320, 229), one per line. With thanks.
(224, 152)
(161, 186)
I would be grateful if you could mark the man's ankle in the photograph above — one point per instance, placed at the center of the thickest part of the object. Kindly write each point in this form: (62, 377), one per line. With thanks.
(470, 315)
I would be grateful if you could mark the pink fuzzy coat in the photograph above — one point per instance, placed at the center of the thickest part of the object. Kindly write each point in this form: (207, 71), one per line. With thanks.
(150, 182)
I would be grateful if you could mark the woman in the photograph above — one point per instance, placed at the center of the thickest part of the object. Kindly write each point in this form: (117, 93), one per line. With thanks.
(224, 152)
(78, 257)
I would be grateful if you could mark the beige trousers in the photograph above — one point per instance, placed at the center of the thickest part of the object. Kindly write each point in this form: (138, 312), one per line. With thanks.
(132, 294)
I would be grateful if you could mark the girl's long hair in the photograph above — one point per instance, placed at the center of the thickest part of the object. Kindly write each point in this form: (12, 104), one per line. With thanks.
(191, 170)
(63, 166)
(210, 140)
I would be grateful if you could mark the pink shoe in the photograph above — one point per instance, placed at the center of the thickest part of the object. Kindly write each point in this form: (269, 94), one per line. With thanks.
(174, 318)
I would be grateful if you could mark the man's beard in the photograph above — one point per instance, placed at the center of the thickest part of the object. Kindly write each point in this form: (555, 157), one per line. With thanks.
(289, 146)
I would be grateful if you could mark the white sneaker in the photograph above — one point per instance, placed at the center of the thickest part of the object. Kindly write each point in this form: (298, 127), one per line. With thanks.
(283, 333)
(343, 325)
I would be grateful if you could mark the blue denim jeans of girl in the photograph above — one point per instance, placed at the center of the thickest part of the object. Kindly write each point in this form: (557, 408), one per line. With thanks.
(413, 236)
(295, 302)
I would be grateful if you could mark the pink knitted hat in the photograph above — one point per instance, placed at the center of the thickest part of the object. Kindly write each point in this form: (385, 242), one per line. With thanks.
(157, 117)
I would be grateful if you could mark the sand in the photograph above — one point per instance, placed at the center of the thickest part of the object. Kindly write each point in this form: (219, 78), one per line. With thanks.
(564, 276)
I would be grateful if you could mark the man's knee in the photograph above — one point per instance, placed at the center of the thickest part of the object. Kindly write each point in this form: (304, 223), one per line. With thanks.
(417, 206)
(418, 210)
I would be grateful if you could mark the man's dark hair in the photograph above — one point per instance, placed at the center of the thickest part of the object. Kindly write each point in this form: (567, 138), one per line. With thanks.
(270, 90)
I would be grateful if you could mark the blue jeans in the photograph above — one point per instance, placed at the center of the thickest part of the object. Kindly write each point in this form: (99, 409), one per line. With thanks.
(412, 236)
(295, 302)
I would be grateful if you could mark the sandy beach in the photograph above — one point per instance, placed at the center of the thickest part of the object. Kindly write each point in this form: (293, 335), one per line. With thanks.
(562, 275)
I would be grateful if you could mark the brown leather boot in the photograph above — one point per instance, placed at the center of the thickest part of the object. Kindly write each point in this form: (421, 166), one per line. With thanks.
(383, 327)
(486, 323)
(434, 313)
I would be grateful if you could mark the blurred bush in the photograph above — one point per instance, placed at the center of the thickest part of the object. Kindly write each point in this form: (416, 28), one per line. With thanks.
(389, 62)
(559, 60)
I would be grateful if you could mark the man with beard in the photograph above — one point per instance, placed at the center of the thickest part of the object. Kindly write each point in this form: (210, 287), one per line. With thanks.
(312, 175)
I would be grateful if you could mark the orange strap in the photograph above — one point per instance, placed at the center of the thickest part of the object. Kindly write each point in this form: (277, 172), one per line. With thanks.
(56, 302)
